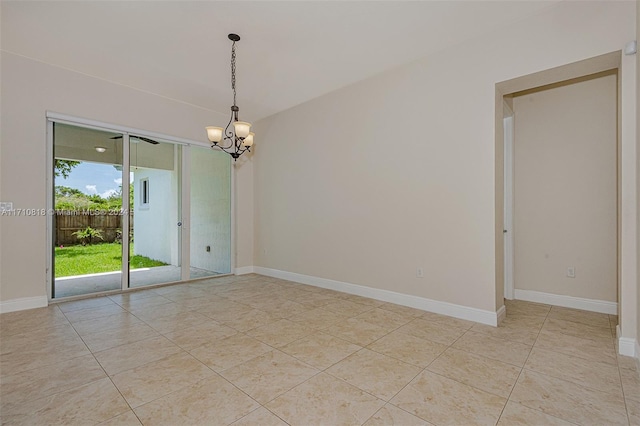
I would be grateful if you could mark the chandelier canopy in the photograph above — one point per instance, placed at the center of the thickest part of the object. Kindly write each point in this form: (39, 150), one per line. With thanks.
(238, 139)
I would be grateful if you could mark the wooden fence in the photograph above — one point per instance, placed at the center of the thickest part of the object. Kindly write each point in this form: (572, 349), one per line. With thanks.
(68, 222)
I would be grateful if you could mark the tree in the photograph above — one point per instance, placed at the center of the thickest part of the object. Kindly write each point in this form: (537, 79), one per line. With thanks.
(63, 167)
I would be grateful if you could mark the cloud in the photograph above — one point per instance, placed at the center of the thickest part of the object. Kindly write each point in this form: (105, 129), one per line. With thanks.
(92, 189)
(108, 193)
(118, 181)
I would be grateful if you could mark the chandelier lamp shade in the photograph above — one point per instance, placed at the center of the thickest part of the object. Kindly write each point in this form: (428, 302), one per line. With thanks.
(237, 137)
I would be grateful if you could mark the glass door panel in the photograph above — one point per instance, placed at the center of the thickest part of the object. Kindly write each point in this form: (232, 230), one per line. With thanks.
(210, 217)
(87, 253)
(155, 197)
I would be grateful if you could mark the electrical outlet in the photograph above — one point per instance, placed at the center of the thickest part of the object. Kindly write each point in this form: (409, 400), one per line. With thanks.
(571, 272)
(420, 273)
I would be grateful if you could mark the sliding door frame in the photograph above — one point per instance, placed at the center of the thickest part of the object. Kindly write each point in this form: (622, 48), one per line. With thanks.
(53, 117)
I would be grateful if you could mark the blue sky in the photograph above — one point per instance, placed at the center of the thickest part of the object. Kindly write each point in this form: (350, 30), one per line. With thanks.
(93, 178)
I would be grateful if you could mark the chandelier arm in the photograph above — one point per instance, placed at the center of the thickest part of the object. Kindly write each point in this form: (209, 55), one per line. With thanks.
(228, 135)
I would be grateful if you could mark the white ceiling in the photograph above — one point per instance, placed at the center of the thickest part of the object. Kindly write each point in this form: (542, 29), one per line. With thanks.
(290, 52)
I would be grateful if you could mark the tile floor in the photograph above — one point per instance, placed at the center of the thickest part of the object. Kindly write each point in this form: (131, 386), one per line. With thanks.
(253, 350)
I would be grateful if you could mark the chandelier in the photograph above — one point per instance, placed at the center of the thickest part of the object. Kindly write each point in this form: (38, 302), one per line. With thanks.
(240, 138)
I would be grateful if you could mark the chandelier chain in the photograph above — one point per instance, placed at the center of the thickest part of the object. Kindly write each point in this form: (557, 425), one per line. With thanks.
(233, 71)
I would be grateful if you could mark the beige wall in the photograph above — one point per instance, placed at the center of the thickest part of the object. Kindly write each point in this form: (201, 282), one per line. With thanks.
(29, 89)
(565, 153)
(367, 183)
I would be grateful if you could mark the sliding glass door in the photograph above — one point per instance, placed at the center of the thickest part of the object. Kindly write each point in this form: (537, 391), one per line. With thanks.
(155, 238)
(86, 220)
(133, 211)
(210, 213)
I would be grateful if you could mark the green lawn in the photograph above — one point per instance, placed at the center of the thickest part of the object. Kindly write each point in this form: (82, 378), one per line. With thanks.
(106, 257)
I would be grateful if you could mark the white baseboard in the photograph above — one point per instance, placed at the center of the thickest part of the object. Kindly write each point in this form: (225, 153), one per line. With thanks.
(628, 347)
(23, 303)
(600, 306)
(243, 270)
(502, 313)
(443, 308)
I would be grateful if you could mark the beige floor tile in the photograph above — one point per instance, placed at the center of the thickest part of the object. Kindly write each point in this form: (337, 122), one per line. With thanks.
(568, 401)
(591, 374)
(357, 331)
(392, 415)
(443, 334)
(407, 348)
(132, 295)
(115, 321)
(591, 350)
(194, 301)
(584, 317)
(212, 401)
(630, 384)
(159, 378)
(200, 334)
(132, 355)
(286, 309)
(519, 415)
(143, 302)
(107, 339)
(491, 347)
(375, 373)
(474, 370)
(404, 310)
(127, 419)
(627, 362)
(93, 313)
(325, 400)
(269, 375)
(40, 353)
(264, 301)
(39, 337)
(520, 328)
(254, 318)
(280, 333)
(443, 401)
(361, 300)
(633, 411)
(30, 320)
(150, 314)
(315, 300)
(178, 322)
(347, 307)
(224, 310)
(320, 350)
(48, 376)
(577, 329)
(180, 292)
(318, 318)
(447, 321)
(88, 404)
(44, 381)
(85, 304)
(385, 319)
(526, 308)
(261, 417)
(230, 351)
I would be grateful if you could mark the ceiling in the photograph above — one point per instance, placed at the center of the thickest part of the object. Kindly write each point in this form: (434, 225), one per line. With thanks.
(290, 51)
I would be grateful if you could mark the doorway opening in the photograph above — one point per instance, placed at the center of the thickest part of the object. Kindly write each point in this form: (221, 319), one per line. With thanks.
(558, 180)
